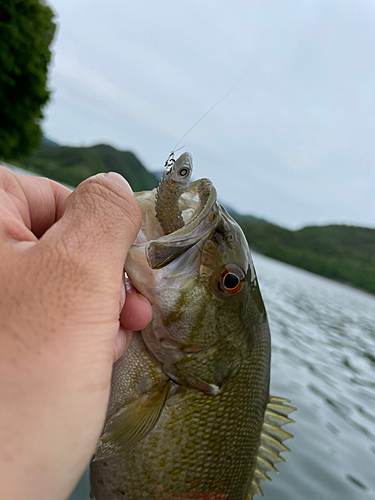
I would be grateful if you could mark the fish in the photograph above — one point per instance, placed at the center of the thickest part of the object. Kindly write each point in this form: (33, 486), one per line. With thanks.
(190, 416)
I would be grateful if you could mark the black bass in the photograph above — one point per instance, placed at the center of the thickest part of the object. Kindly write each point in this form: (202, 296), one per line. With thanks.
(190, 416)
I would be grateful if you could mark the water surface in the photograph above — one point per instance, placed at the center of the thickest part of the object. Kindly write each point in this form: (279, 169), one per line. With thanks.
(323, 359)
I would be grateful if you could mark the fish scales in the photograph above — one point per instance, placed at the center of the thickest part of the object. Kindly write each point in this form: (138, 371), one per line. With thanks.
(205, 453)
(190, 415)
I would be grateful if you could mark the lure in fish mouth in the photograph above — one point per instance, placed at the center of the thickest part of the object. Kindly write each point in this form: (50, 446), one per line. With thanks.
(190, 415)
(173, 184)
(203, 256)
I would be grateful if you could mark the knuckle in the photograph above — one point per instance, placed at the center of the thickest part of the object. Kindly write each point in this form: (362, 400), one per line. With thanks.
(87, 248)
(110, 206)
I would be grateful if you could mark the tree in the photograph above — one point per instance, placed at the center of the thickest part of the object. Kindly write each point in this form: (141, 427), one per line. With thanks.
(26, 32)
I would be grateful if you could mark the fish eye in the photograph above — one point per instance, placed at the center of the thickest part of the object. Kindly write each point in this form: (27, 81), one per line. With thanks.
(183, 172)
(231, 280)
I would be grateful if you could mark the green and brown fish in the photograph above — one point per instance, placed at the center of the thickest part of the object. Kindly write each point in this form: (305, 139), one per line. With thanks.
(190, 416)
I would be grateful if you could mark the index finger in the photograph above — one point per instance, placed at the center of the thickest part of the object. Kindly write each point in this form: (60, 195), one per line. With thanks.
(29, 205)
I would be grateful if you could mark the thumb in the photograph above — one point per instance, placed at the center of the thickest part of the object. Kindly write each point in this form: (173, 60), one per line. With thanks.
(99, 223)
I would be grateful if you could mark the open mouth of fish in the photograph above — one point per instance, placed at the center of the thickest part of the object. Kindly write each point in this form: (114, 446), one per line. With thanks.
(153, 248)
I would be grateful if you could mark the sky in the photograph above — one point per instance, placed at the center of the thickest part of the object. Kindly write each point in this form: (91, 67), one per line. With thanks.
(293, 142)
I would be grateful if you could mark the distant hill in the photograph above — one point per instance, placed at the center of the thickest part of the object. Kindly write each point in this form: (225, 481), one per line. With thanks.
(243, 219)
(48, 142)
(343, 253)
(72, 165)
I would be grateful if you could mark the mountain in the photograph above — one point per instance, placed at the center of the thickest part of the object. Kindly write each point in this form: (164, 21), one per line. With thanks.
(72, 165)
(343, 253)
(48, 142)
(340, 252)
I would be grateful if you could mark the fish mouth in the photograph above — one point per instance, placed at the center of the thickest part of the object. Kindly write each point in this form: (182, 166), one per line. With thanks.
(199, 211)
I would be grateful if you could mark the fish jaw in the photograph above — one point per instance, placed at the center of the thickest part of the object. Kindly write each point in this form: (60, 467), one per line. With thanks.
(153, 250)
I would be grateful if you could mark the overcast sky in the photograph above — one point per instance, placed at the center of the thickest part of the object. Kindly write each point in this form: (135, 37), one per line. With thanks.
(294, 142)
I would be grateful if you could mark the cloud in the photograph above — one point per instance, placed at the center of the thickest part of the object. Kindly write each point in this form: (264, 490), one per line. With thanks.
(293, 142)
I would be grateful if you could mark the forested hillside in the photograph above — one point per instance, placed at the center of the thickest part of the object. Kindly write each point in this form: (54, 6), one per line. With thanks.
(72, 165)
(343, 253)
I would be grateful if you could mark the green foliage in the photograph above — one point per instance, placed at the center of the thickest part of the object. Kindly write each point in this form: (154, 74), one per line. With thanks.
(343, 253)
(73, 165)
(26, 31)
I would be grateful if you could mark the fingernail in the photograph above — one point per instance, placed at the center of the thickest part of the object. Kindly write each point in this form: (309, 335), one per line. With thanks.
(122, 295)
(120, 181)
(122, 342)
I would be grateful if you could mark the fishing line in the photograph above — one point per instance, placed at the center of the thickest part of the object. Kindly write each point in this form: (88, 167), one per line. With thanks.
(212, 108)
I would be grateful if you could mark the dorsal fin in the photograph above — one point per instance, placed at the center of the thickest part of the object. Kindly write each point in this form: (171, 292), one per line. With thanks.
(271, 442)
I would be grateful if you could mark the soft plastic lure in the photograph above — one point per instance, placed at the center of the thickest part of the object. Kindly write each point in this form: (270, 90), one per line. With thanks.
(172, 184)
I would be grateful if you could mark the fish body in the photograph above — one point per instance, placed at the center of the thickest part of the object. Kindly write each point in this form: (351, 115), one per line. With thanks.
(190, 415)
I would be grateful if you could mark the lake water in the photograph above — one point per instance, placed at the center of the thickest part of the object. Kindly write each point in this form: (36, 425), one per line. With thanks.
(323, 359)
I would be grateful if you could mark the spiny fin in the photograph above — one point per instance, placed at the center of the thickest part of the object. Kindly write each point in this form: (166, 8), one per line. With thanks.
(271, 442)
(254, 490)
(131, 423)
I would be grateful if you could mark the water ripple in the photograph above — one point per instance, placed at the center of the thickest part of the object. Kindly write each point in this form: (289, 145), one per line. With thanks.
(323, 359)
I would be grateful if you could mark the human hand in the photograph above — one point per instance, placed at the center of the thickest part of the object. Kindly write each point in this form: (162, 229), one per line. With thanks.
(62, 291)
